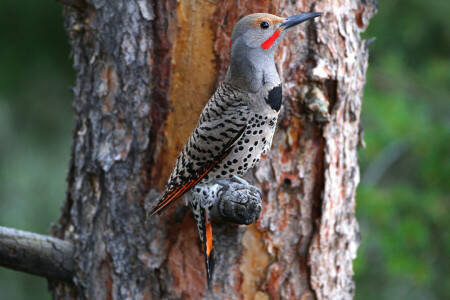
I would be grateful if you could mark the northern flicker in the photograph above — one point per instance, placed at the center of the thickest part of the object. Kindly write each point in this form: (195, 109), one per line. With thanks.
(234, 129)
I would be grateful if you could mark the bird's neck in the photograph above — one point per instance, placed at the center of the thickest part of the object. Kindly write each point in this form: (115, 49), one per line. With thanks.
(252, 72)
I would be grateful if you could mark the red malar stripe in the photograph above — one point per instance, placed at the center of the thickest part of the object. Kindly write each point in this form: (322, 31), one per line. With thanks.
(267, 44)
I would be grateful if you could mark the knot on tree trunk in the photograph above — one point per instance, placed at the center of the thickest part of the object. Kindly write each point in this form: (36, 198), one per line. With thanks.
(238, 202)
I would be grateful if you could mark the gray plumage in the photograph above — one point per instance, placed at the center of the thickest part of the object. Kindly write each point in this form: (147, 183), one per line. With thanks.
(234, 129)
(226, 114)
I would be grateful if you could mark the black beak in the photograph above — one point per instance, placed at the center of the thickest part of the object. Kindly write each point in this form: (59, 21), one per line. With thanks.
(297, 19)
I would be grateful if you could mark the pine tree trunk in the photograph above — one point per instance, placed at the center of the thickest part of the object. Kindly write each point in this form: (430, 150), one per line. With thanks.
(145, 69)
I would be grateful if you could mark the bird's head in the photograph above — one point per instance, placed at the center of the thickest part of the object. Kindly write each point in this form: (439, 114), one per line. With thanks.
(253, 43)
(264, 31)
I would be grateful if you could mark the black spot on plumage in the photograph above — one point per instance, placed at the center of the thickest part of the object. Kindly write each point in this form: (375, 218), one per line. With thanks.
(260, 132)
(245, 165)
(256, 143)
(234, 161)
(241, 148)
(204, 193)
(250, 149)
(240, 142)
(245, 159)
(229, 162)
(240, 168)
(255, 132)
(223, 172)
(247, 140)
(249, 155)
(231, 170)
(217, 148)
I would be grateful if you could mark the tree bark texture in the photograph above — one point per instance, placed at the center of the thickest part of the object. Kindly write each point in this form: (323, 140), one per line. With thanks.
(145, 69)
(36, 254)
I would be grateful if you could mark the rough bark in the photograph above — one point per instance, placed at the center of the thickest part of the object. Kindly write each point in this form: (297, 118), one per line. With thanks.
(145, 69)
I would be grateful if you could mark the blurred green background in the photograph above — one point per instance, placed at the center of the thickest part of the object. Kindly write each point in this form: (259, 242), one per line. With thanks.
(403, 198)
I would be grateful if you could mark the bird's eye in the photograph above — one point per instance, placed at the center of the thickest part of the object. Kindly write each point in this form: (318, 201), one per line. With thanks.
(264, 25)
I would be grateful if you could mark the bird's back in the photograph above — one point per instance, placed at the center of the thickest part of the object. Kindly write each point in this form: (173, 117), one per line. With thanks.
(222, 119)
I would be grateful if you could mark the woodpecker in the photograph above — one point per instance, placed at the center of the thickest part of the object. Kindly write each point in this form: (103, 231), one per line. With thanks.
(234, 129)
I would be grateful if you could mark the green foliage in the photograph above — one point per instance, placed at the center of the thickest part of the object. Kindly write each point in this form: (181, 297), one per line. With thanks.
(35, 126)
(403, 200)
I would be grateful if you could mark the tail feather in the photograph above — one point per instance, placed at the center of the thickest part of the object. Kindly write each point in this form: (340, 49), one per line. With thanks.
(208, 247)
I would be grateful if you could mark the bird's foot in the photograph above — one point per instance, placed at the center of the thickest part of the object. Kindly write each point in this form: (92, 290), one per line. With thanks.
(237, 202)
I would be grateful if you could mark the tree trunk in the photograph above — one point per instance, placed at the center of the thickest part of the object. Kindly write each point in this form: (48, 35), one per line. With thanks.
(145, 69)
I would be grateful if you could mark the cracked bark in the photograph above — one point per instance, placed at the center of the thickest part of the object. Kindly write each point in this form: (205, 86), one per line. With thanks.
(145, 69)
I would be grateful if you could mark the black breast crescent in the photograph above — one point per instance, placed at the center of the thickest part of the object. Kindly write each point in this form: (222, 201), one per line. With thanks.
(274, 97)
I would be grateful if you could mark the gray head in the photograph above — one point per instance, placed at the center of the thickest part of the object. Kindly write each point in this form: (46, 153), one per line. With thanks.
(253, 43)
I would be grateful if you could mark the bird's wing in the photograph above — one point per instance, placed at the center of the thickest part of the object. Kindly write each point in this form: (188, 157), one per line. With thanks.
(208, 145)
(225, 96)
